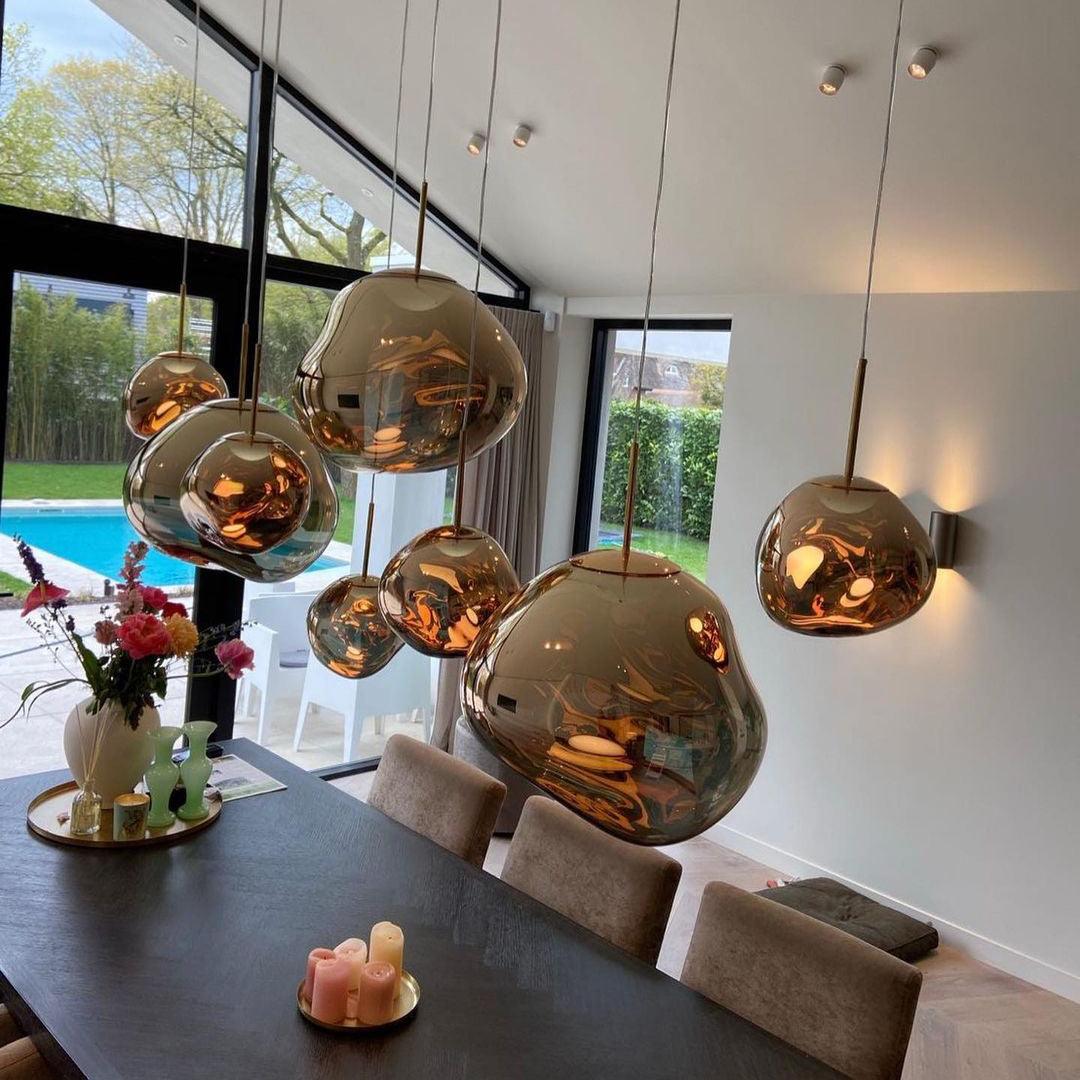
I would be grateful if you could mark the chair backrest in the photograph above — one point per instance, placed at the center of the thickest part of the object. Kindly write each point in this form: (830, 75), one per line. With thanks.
(831, 995)
(620, 891)
(286, 615)
(434, 794)
(19, 1060)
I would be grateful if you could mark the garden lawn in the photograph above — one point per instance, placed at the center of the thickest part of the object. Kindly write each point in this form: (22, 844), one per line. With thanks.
(35, 480)
(689, 553)
(10, 583)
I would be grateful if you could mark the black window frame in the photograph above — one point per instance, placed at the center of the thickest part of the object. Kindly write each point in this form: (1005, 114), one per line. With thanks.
(42, 242)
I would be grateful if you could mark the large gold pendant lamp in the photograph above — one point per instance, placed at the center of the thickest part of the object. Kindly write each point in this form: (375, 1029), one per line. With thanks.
(842, 555)
(451, 369)
(167, 385)
(613, 680)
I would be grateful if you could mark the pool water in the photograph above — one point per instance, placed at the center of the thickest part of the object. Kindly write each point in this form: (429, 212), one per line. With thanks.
(98, 540)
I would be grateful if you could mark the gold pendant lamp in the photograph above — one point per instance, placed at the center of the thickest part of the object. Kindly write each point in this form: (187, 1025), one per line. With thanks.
(842, 555)
(446, 360)
(167, 385)
(613, 680)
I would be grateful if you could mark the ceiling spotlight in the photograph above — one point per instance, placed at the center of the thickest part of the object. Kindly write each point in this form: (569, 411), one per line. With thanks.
(522, 134)
(181, 41)
(922, 63)
(367, 193)
(832, 80)
(476, 144)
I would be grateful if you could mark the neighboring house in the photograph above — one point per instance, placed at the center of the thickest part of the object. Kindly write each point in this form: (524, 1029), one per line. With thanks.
(93, 296)
(666, 379)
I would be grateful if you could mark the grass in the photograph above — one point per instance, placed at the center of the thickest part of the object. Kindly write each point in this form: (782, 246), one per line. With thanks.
(10, 583)
(691, 554)
(33, 480)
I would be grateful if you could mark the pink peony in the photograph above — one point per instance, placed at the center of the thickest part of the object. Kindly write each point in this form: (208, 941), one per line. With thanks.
(235, 657)
(105, 632)
(45, 592)
(153, 598)
(144, 635)
(173, 608)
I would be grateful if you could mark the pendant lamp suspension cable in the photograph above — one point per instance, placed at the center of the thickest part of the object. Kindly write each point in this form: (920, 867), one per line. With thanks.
(257, 363)
(459, 487)
(245, 331)
(397, 132)
(631, 479)
(422, 214)
(860, 370)
(190, 170)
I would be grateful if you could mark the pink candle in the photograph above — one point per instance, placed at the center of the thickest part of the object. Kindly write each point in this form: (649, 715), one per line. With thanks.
(330, 995)
(355, 951)
(313, 958)
(378, 981)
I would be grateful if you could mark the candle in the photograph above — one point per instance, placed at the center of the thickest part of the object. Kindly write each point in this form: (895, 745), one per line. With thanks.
(313, 958)
(378, 983)
(129, 816)
(330, 993)
(388, 944)
(355, 951)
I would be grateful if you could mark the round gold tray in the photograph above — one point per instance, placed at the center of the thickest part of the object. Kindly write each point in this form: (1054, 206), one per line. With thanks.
(404, 1006)
(46, 810)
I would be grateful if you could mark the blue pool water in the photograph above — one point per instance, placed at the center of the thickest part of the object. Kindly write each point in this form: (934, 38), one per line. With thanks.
(97, 540)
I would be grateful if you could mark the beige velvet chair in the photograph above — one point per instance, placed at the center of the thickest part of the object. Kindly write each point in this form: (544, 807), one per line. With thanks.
(827, 993)
(620, 891)
(434, 794)
(19, 1060)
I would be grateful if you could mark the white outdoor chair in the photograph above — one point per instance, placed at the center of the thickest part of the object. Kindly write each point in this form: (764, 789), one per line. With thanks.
(278, 634)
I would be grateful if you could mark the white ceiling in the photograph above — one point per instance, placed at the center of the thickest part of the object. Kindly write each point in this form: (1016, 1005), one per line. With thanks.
(770, 184)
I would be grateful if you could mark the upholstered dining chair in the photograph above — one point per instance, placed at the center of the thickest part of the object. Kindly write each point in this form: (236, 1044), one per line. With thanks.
(19, 1060)
(434, 794)
(837, 998)
(622, 892)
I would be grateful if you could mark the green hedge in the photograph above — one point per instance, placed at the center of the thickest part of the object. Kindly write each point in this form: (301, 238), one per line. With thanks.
(676, 466)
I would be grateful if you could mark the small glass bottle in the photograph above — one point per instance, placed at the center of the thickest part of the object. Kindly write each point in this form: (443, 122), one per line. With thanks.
(86, 810)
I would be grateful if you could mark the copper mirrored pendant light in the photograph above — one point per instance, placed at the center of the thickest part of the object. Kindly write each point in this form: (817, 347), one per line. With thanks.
(169, 384)
(613, 680)
(256, 501)
(440, 589)
(842, 555)
(444, 357)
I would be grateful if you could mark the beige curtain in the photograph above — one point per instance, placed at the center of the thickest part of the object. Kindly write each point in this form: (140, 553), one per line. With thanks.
(502, 497)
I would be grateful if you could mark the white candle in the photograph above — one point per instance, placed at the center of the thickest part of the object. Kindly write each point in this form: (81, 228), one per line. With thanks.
(388, 946)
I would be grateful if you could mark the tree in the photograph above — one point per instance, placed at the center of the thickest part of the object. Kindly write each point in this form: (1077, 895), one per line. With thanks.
(709, 381)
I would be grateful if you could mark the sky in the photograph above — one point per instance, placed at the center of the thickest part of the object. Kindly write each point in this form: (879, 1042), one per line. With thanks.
(63, 28)
(709, 345)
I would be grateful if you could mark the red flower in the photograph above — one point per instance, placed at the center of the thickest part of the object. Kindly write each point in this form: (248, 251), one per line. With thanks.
(153, 598)
(45, 592)
(173, 608)
(144, 635)
(235, 657)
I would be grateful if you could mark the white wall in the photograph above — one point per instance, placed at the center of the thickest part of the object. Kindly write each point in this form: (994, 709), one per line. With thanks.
(935, 763)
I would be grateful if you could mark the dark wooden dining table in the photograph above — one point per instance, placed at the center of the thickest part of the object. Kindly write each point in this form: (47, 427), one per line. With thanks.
(167, 963)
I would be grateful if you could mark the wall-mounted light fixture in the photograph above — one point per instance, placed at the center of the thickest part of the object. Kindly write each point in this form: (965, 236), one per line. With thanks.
(832, 80)
(943, 526)
(522, 135)
(922, 63)
(476, 144)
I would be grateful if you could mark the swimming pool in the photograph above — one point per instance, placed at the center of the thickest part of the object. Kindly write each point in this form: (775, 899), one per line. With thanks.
(97, 538)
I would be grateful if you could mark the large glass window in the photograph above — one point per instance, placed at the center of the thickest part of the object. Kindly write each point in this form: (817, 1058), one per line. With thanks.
(682, 406)
(95, 118)
(66, 449)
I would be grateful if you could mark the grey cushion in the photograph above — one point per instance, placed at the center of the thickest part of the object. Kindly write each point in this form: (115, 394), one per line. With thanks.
(469, 748)
(830, 902)
(830, 994)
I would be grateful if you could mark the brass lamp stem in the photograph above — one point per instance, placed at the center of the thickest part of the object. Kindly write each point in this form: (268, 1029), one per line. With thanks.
(183, 305)
(420, 228)
(241, 394)
(856, 413)
(256, 371)
(631, 488)
(370, 522)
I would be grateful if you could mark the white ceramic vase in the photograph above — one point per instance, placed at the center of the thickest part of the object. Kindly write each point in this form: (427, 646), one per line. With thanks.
(124, 755)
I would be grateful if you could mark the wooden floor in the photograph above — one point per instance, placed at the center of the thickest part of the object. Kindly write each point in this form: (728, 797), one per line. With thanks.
(974, 1022)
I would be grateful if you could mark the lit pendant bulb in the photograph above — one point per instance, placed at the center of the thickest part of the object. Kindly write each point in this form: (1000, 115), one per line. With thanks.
(443, 586)
(619, 689)
(246, 493)
(348, 633)
(835, 559)
(165, 387)
(385, 383)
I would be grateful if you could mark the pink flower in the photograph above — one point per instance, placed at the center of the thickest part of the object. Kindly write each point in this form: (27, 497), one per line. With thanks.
(153, 598)
(105, 632)
(144, 635)
(235, 657)
(129, 601)
(173, 608)
(45, 592)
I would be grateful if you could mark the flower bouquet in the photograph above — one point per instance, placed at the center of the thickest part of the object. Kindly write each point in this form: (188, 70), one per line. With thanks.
(143, 641)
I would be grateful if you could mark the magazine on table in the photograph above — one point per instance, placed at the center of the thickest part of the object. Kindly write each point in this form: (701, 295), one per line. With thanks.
(235, 778)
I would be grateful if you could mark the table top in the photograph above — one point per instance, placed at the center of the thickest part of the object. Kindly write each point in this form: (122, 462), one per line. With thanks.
(184, 960)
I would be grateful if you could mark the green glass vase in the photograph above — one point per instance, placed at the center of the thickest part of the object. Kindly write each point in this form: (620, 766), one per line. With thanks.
(195, 771)
(161, 777)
